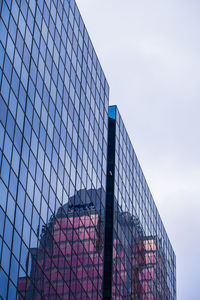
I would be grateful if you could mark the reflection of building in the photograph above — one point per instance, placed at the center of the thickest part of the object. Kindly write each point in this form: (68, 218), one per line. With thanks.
(77, 219)
(151, 269)
(69, 260)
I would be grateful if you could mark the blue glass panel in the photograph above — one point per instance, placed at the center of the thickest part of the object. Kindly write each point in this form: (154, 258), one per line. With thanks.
(10, 126)
(18, 221)
(27, 131)
(12, 28)
(35, 222)
(16, 251)
(28, 208)
(2, 218)
(32, 164)
(19, 43)
(4, 284)
(2, 54)
(36, 123)
(112, 112)
(21, 196)
(12, 292)
(33, 71)
(10, 208)
(3, 35)
(5, 169)
(8, 147)
(42, 135)
(13, 184)
(5, 88)
(18, 139)
(30, 21)
(5, 261)
(13, 103)
(8, 232)
(15, 161)
(29, 111)
(2, 131)
(39, 176)
(0, 73)
(7, 68)
(22, 96)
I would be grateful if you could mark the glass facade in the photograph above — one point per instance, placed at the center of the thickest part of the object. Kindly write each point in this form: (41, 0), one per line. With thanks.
(53, 143)
(143, 261)
(77, 219)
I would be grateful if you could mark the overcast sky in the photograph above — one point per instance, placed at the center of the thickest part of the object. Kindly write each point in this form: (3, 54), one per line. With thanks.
(149, 51)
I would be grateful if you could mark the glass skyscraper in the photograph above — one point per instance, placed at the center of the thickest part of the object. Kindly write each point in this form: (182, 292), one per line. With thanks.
(141, 256)
(77, 220)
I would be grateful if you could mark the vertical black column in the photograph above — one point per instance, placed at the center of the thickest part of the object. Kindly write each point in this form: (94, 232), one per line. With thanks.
(108, 250)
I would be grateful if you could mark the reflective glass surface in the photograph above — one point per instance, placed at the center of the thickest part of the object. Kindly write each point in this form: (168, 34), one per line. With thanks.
(53, 136)
(144, 264)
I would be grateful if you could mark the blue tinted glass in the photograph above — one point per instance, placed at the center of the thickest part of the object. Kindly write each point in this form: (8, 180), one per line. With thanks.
(8, 68)
(5, 13)
(25, 152)
(35, 222)
(20, 43)
(24, 255)
(112, 112)
(22, 96)
(39, 177)
(29, 111)
(18, 139)
(26, 232)
(28, 208)
(39, 84)
(8, 147)
(30, 186)
(2, 54)
(12, 28)
(49, 147)
(4, 284)
(20, 197)
(16, 246)
(36, 123)
(30, 21)
(32, 164)
(27, 131)
(2, 218)
(2, 131)
(42, 135)
(33, 72)
(26, 57)
(24, 77)
(5, 261)
(13, 184)
(10, 125)
(34, 143)
(13, 103)
(5, 88)
(15, 161)
(18, 220)
(12, 292)
(10, 208)
(5, 169)
(3, 35)
(8, 232)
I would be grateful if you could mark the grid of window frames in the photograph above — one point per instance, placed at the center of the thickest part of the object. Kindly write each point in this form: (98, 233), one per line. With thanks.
(53, 134)
(143, 258)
